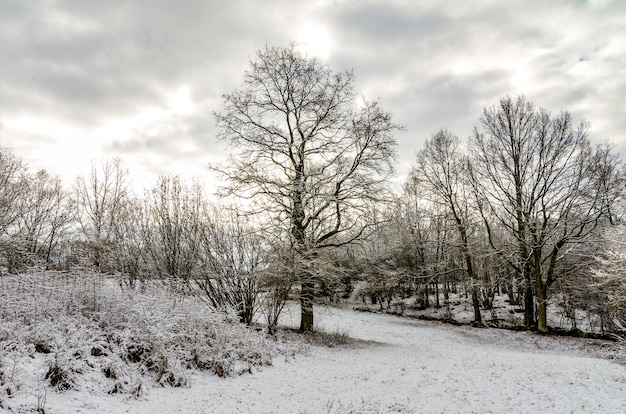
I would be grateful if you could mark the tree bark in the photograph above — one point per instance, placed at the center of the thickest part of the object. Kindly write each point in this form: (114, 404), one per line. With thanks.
(306, 306)
(529, 305)
(476, 305)
(542, 305)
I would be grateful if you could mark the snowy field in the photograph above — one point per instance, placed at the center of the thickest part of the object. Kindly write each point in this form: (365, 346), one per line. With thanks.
(398, 366)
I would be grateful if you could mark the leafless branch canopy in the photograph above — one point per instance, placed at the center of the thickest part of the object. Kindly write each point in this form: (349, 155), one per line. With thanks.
(308, 153)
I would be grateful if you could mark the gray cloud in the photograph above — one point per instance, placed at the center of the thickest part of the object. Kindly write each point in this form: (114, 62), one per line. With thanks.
(83, 75)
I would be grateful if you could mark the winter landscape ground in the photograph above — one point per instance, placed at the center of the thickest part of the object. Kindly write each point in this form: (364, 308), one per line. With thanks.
(371, 363)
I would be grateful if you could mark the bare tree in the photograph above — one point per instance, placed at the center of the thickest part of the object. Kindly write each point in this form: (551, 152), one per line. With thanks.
(389, 268)
(131, 253)
(311, 158)
(233, 260)
(199, 247)
(47, 214)
(540, 181)
(609, 276)
(276, 284)
(100, 200)
(442, 169)
(172, 228)
(415, 254)
(609, 268)
(12, 189)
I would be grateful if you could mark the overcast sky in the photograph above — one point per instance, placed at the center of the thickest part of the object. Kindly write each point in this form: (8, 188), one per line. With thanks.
(83, 80)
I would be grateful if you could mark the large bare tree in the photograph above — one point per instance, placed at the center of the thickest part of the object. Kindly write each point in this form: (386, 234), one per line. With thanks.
(541, 183)
(311, 157)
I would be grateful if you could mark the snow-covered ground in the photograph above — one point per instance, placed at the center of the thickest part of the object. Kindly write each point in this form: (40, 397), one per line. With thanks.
(399, 366)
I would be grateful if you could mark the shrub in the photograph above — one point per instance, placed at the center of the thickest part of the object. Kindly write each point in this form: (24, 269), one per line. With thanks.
(81, 322)
(59, 377)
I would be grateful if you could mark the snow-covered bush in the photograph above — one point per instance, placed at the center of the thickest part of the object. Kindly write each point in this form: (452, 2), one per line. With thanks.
(9, 384)
(81, 328)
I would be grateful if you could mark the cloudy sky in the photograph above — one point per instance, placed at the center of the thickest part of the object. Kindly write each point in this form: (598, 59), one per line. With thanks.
(83, 80)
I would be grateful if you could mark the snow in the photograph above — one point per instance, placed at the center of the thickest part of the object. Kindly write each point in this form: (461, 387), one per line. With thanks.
(393, 365)
(402, 366)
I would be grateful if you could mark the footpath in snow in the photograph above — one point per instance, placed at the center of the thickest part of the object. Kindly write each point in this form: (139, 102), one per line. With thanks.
(399, 366)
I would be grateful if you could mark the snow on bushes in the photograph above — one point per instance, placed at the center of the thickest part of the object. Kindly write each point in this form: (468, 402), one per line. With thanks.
(82, 329)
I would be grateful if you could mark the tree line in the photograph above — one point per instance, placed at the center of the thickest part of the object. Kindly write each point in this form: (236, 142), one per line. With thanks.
(525, 206)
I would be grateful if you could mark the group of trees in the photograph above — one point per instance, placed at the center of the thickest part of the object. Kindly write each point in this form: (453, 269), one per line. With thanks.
(34, 213)
(522, 207)
(170, 232)
(525, 200)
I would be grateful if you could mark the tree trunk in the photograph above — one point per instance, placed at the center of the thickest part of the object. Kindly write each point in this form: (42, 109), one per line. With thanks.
(476, 305)
(529, 295)
(542, 305)
(529, 305)
(306, 306)
(540, 291)
(470, 272)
